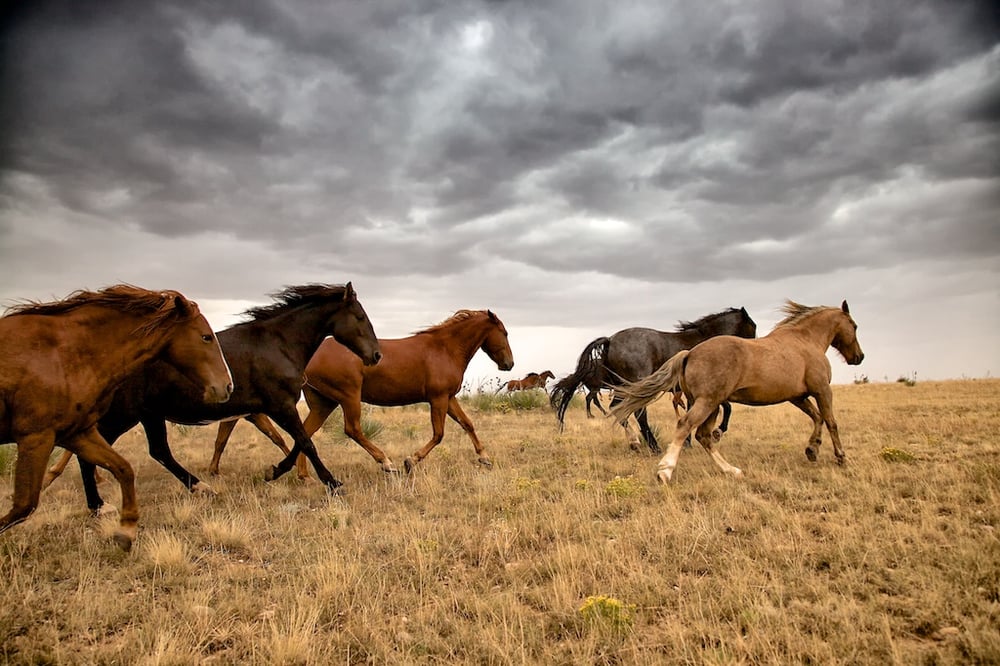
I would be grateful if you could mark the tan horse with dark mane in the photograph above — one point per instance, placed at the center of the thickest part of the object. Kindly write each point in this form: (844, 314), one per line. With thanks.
(60, 366)
(789, 364)
(426, 367)
(532, 380)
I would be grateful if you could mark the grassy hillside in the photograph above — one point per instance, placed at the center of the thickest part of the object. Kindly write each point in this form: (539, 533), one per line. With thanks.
(567, 551)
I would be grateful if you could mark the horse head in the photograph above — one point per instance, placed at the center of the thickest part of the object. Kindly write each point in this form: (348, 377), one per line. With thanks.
(845, 338)
(352, 328)
(194, 350)
(496, 345)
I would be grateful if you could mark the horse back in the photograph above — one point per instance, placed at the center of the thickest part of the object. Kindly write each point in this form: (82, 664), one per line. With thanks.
(634, 353)
(748, 371)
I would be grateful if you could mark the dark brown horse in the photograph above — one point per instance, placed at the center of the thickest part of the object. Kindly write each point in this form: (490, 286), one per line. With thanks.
(789, 364)
(267, 354)
(532, 380)
(62, 362)
(425, 367)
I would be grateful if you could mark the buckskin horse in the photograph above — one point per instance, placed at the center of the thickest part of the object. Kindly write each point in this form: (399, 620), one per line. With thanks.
(532, 380)
(267, 355)
(425, 367)
(62, 362)
(634, 353)
(789, 364)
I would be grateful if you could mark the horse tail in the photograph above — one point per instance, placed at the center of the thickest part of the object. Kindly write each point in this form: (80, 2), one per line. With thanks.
(589, 368)
(636, 395)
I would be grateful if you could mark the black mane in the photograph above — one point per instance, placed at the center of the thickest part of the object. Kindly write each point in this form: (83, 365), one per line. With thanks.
(688, 326)
(292, 297)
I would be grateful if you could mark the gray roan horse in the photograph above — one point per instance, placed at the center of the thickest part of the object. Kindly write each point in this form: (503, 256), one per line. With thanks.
(789, 364)
(634, 353)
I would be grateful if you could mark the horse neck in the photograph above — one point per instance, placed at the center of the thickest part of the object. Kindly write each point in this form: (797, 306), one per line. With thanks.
(465, 337)
(303, 328)
(108, 340)
(817, 330)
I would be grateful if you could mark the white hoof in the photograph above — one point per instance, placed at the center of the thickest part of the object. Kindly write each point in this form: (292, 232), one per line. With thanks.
(737, 473)
(203, 489)
(106, 510)
(663, 476)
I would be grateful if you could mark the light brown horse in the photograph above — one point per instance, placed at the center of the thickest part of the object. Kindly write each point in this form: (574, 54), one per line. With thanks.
(426, 367)
(532, 380)
(60, 366)
(789, 364)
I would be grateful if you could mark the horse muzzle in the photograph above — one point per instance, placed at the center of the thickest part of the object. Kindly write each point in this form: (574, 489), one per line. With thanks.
(216, 394)
(372, 359)
(860, 356)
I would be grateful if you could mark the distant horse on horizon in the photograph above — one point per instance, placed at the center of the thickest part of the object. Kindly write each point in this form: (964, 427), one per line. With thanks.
(61, 364)
(532, 380)
(789, 364)
(634, 353)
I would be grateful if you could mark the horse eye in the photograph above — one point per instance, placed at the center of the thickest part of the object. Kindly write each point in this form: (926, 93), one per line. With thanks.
(206, 338)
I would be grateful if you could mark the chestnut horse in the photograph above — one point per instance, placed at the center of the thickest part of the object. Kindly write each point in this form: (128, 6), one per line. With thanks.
(267, 354)
(789, 364)
(532, 380)
(62, 362)
(425, 367)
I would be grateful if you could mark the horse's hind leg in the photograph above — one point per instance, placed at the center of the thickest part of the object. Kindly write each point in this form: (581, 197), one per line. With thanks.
(634, 437)
(221, 439)
(706, 437)
(698, 412)
(642, 418)
(594, 398)
(439, 408)
(33, 452)
(727, 411)
(816, 438)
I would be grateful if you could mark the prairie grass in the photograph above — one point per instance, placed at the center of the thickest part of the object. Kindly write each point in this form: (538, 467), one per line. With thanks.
(566, 552)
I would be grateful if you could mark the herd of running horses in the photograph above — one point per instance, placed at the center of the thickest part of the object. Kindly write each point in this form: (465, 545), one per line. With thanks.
(79, 372)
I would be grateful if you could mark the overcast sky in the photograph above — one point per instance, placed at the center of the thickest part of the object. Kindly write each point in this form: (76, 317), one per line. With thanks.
(578, 167)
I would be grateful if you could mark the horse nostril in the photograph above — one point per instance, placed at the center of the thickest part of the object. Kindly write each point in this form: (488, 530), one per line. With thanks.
(378, 356)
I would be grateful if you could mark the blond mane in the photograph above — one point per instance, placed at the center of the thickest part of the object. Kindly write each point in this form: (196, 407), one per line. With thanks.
(795, 313)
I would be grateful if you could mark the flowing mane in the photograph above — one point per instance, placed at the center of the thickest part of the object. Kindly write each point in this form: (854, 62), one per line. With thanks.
(292, 297)
(796, 312)
(122, 297)
(689, 326)
(459, 316)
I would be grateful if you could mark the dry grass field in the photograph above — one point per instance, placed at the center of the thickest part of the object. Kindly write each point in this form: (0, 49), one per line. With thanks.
(566, 552)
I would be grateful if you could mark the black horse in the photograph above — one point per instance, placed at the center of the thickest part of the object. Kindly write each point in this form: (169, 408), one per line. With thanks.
(267, 356)
(634, 353)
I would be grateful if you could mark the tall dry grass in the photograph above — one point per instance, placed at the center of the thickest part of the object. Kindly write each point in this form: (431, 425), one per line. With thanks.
(566, 552)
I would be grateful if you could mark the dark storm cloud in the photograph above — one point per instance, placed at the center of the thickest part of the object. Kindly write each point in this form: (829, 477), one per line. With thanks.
(656, 141)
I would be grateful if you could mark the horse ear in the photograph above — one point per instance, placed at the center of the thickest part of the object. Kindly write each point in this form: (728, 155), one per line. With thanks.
(492, 316)
(744, 311)
(183, 306)
(349, 294)
(843, 306)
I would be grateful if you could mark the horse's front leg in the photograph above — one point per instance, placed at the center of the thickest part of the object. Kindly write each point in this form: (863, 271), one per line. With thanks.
(816, 438)
(33, 452)
(287, 418)
(159, 449)
(56, 470)
(439, 407)
(353, 429)
(91, 448)
(824, 400)
(458, 415)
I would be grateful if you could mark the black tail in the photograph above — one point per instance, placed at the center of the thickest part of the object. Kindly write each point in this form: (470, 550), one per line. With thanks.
(589, 370)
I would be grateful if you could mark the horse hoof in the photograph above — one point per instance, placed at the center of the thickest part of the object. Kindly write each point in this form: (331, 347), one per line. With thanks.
(841, 460)
(716, 435)
(389, 467)
(811, 454)
(270, 474)
(203, 489)
(663, 476)
(105, 510)
(409, 464)
(737, 473)
(123, 541)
